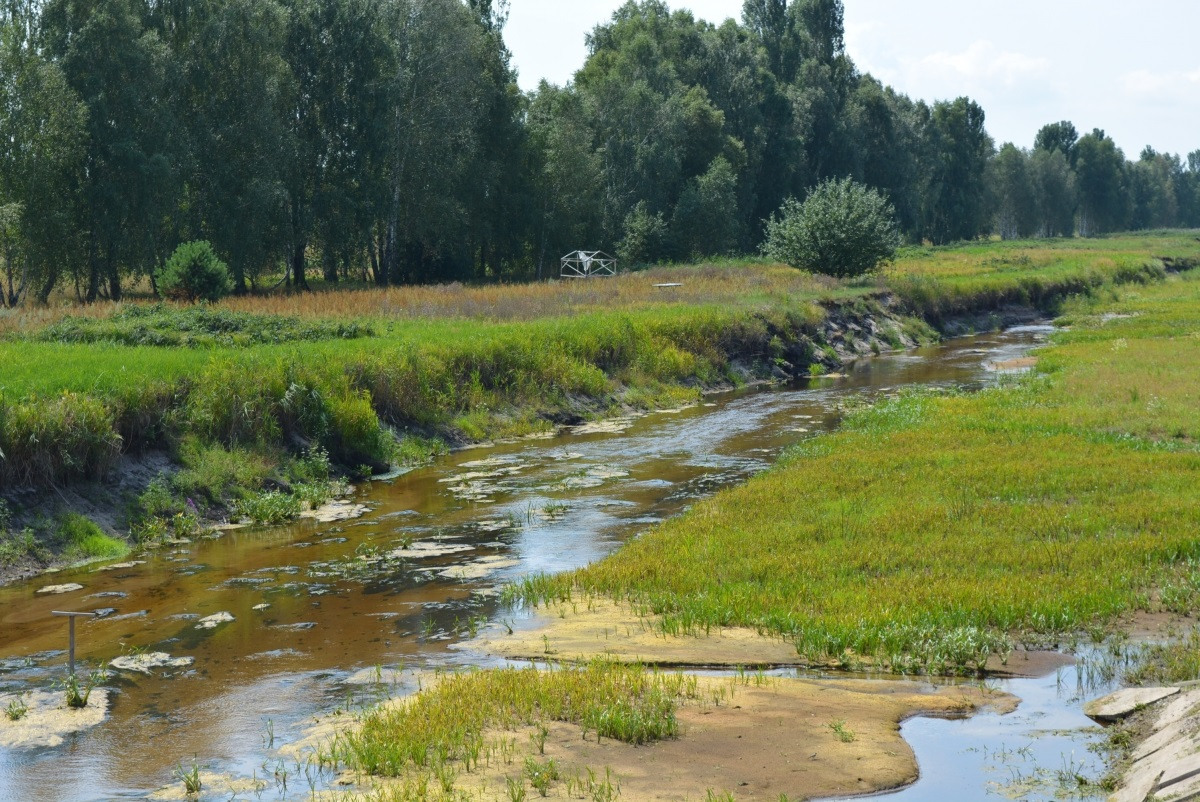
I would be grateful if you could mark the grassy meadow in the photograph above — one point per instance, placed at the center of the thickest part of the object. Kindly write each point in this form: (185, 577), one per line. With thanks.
(263, 388)
(933, 530)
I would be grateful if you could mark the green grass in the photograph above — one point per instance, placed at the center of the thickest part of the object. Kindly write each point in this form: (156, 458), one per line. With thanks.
(452, 726)
(202, 326)
(263, 379)
(1168, 663)
(83, 539)
(930, 529)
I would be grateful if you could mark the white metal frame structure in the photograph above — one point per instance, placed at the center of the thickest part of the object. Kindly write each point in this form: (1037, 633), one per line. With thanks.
(586, 264)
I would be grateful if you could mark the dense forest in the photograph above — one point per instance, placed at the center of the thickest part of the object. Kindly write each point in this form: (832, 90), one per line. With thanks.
(387, 141)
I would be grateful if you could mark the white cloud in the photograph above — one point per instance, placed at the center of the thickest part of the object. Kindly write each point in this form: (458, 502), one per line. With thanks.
(981, 63)
(1144, 84)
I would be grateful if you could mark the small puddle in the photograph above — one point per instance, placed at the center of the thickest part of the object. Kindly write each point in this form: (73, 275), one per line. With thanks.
(278, 622)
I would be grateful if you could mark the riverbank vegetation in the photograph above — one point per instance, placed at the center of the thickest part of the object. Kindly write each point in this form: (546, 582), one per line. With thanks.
(279, 396)
(934, 530)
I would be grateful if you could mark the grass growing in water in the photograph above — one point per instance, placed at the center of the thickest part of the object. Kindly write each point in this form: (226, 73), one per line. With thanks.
(16, 709)
(932, 528)
(1167, 663)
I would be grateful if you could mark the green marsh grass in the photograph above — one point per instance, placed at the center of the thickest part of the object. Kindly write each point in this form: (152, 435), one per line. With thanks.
(934, 529)
(17, 708)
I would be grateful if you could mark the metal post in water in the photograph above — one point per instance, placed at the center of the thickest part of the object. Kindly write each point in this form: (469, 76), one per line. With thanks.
(71, 617)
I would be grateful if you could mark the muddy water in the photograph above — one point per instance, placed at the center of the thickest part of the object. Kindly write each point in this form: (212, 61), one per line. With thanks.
(314, 607)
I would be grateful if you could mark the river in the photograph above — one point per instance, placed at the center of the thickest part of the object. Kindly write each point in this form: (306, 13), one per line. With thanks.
(338, 605)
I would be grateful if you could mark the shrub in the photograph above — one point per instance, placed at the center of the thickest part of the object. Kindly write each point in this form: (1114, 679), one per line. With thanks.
(842, 229)
(194, 273)
(269, 508)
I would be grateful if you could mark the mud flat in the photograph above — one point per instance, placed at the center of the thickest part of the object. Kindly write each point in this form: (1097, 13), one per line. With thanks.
(600, 628)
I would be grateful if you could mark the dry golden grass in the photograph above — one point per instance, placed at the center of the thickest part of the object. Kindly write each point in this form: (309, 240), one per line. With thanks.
(741, 284)
(704, 284)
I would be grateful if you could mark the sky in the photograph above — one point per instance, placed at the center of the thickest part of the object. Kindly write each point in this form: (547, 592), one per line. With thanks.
(1130, 68)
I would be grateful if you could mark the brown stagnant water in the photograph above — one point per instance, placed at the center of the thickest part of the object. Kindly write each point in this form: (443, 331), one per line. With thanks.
(334, 611)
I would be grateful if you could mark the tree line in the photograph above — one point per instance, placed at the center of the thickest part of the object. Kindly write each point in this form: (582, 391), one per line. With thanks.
(387, 141)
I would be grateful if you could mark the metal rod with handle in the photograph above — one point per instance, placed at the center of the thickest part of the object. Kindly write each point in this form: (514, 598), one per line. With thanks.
(71, 617)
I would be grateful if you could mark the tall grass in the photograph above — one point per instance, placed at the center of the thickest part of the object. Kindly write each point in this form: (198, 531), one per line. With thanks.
(931, 529)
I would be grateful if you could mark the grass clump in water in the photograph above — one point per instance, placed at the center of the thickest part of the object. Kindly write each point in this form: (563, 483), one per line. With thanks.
(1167, 663)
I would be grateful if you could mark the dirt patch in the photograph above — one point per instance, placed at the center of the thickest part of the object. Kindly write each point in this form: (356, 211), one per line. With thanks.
(601, 628)
(753, 738)
(1156, 626)
(1032, 663)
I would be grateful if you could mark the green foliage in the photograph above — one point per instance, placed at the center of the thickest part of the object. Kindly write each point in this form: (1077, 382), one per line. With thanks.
(645, 237)
(270, 508)
(19, 547)
(195, 327)
(190, 777)
(932, 529)
(83, 539)
(76, 692)
(842, 229)
(68, 436)
(210, 474)
(194, 273)
(415, 450)
(446, 722)
(129, 132)
(16, 709)
(541, 774)
(1170, 663)
(705, 221)
(843, 733)
(955, 186)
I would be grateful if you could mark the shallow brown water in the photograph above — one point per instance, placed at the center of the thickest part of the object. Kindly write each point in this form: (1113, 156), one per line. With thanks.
(341, 601)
